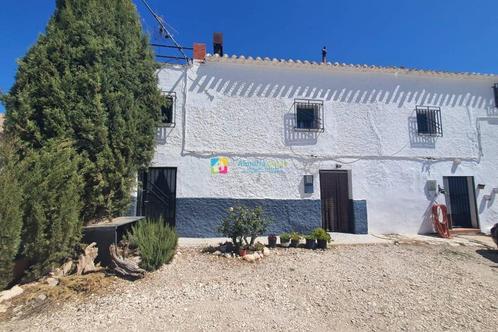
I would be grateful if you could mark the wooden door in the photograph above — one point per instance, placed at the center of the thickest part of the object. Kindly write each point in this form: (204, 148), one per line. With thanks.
(334, 191)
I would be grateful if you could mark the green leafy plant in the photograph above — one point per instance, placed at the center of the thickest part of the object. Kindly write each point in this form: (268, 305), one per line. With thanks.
(10, 212)
(310, 237)
(91, 78)
(284, 237)
(258, 246)
(243, 225)
(321, 234)
(156, 243)
(295, 236)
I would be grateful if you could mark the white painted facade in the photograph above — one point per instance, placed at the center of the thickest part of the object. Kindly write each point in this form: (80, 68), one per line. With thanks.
(243, 110)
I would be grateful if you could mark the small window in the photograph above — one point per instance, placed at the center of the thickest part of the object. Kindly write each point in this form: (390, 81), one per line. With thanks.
(495, 89)
(167, 115)
(309, 114)
(429, 121)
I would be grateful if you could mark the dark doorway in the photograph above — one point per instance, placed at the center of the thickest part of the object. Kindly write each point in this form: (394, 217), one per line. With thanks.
(335, 199)
(158, 195)
(461, 201)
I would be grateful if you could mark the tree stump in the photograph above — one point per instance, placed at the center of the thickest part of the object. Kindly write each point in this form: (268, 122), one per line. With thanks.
(86, 261)
(125, 267)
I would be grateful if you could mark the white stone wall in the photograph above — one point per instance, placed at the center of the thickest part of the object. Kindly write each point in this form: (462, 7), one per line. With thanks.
(245, 111)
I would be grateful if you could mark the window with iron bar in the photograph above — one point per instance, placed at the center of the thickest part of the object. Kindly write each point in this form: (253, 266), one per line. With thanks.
(495, 89)
(429, 121)
(308, 114)
(167, 112)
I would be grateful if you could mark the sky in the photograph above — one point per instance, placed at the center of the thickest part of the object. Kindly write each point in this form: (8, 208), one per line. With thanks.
(451, 35)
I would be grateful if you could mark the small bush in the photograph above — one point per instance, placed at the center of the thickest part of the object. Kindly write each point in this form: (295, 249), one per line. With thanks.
(156, 243)
(310, 237)
(321, 234)
(10, 213)
(294, 236)
(243, 225)
(285, 237)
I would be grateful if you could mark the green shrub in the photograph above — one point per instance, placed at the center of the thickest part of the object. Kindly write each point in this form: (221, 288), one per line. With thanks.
(321, 234)
(310, 237)
(284, 237)
(51, 207)
(10, 213)
(295, 236)
(243, 225)
(156, 243)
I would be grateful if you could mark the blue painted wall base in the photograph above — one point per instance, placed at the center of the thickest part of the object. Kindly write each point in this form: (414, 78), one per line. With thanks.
(201, 217)
(360, 217)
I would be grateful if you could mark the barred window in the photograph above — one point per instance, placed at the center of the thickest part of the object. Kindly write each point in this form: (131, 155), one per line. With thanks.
(495, 89)
(429, 121)
(167, 114)
(308, 114)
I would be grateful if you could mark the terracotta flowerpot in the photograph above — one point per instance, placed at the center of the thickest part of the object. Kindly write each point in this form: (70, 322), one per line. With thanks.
(242, 252)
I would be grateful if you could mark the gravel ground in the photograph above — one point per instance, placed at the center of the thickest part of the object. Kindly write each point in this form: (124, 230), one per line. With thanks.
(379, 287)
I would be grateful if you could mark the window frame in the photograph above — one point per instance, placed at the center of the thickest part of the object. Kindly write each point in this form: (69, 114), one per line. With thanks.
(172, 96)
(495, 92)
(316, 106)
(433, 120)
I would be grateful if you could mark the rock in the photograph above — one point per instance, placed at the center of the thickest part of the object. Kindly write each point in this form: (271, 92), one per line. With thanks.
(3, 308)
(42, 297)
(266, 251)
(228, 255)
(67, 267)
(11, 293)
(249, 258)
(217, 253)
(52, 282)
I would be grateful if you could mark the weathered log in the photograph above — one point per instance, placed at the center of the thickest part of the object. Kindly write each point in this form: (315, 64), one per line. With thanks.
(86, 261)
(125, 267)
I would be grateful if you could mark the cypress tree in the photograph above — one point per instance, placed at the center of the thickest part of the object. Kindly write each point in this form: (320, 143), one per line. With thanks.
(51, 206)
(10, 212)
(90, 78)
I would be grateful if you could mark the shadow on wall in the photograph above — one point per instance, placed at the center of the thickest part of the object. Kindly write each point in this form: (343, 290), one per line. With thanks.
(295, 137)
(162, 134)
(427, 222)
(289, 83)
(416, 140)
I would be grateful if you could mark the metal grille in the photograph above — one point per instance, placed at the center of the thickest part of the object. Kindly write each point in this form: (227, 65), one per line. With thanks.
(167, 115)
(429, 121)
(308, 114)
(495, 89)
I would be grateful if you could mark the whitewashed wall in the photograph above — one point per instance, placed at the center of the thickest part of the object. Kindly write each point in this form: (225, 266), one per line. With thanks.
(245, 111)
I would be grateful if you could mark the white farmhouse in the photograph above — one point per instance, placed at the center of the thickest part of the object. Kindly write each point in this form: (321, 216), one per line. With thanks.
(352, 148)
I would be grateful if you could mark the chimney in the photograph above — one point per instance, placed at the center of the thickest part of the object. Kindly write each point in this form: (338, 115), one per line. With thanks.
(199, 52)
(324, 54)
(218, 43)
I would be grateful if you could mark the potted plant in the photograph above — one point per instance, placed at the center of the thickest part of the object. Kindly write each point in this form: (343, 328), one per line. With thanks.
(242, 251)
(284, 239)
(295, 238)
(272, 240)
(310, 241)
(322, 237)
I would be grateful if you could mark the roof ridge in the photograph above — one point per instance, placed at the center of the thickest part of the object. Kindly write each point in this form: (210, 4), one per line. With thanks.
(297, 62)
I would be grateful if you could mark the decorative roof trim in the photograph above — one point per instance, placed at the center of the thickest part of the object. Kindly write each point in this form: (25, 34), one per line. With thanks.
(336, 65)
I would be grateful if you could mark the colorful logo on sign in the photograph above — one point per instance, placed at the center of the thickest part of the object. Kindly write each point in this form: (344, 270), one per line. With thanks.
(219, 165)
